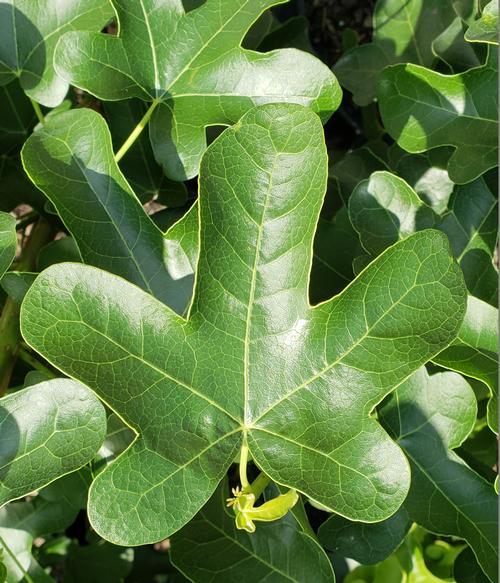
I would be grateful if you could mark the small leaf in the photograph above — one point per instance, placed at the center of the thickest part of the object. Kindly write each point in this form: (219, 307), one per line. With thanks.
(252, 357)
(30, 31)
(46, 431)
(475, 351)
(422, 109)
(8, 241)
(278, 551)
(200, 77)
(385, 209)
(485, 28)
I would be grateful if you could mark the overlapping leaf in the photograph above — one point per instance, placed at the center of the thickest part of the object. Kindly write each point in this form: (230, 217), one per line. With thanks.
(278, 552)
(429, 416)
(422, 109)
(30, 31)
(253, 361)
(404, 31)
(384, 209)
(191, 66)
(8, 241)
(100, 210)
(46, 431)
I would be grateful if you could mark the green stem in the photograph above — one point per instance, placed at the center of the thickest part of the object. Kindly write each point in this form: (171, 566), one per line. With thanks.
(10, 335)
(26, 575)
(243, 464)
(29, 359)
(259, 484)
(38, 111)
(136, 132)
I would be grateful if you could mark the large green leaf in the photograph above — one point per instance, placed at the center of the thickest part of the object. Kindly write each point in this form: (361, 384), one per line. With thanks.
(403, 33)
(429, 416)
(253, 363)
(423, 109)
(193, 69)
(475, 351)
(8, 241)
(107, 221)
(485, 28)
(47, 430)
(277, 552)
(30, 31)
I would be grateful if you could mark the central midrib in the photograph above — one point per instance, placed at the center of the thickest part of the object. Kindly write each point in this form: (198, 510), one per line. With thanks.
(251, 297)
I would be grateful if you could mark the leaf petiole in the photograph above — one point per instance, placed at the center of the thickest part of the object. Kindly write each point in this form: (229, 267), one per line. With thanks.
(38, 111)
(243, 465)
(136, 132)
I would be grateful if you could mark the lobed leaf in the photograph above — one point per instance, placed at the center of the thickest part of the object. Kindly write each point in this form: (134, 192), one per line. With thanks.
(422, 109)
(192, 68)
(100, 210)
(404, 31)
(429, 416)
(252, 361)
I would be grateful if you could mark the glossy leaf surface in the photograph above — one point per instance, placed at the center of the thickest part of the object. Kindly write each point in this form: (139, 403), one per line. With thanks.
(30, 31)
(192, 64)
(422, 109)
(253, 360)
(46, 431)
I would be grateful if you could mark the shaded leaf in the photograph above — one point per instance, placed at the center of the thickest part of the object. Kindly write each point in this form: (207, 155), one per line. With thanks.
(403, 33)
(17, 117)
(485, 28)
(138, 165)
(429, 416)
(253, 360)
(277, 552)
(108, 223)
(30, 31)
(193, 69)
